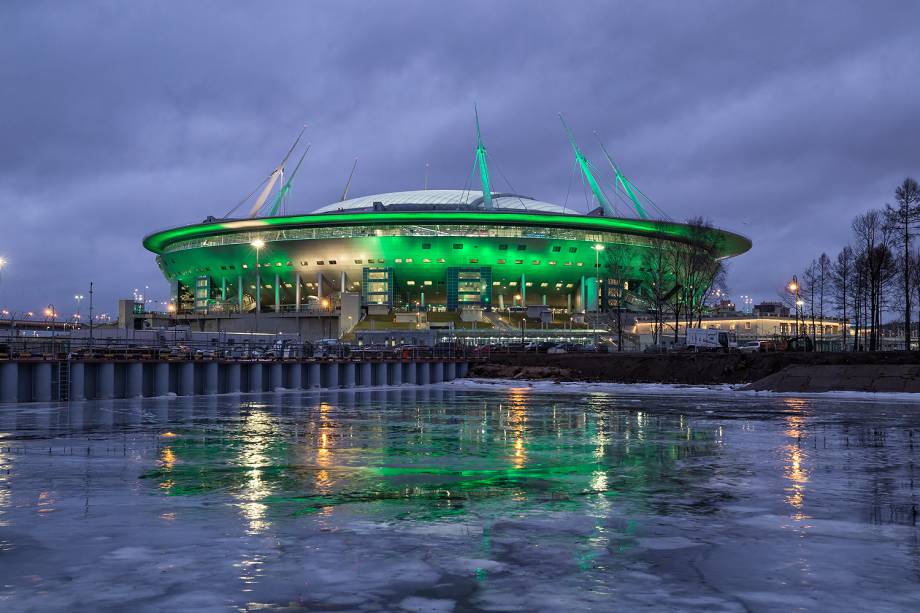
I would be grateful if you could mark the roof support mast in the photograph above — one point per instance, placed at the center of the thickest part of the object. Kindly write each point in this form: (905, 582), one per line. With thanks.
(287, 186)
(585, 166)
(483, 167)
(277, 173)
(625, 184)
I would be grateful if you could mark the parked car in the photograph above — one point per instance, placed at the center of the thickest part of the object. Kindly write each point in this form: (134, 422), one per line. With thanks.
(752, 347)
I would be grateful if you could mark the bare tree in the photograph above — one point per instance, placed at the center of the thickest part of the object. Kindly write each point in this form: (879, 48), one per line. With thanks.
(616, 266)
(903, 219)
(875, 239)
(657, 283)
(808, 291)
(842, 283)
(822, 289)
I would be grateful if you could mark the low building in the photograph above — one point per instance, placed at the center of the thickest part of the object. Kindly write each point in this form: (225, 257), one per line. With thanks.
(828, 334)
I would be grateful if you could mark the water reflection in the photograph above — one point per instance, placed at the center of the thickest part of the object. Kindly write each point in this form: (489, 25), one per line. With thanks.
(315, 454)
(794, 460)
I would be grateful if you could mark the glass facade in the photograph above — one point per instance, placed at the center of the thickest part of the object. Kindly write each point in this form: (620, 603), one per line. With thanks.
(469, 287)
(377, 286)
(433, 230)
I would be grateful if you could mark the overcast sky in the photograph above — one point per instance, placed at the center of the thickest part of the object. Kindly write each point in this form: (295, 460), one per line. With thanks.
(779, 120)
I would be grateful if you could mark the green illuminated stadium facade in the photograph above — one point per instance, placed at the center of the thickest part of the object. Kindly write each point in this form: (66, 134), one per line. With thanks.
(436, 249)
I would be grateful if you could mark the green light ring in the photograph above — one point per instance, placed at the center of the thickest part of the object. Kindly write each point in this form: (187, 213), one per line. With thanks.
(730, 244)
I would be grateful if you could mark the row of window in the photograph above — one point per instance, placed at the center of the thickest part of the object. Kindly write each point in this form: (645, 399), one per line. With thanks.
(398, 261)
(433, 231)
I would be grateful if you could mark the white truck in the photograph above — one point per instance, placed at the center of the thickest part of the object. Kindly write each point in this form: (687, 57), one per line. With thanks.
(701, 339)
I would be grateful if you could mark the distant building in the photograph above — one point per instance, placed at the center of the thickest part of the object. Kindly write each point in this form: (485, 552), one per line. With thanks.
(725, 307)
(771, 309)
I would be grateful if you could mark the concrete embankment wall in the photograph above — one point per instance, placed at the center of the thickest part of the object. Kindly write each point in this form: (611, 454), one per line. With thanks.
(855, 378)
(686, 368)
(41, 380)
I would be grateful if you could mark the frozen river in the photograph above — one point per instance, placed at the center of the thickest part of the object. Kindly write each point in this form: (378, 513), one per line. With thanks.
(461, 498)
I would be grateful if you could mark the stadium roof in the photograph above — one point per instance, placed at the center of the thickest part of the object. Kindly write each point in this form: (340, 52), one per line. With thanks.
(444, 200)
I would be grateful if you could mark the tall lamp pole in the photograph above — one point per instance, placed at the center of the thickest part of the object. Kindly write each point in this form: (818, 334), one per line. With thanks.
(794, 289)
(597, 280)
(2, 266)
(258, 244)
(78, 298)
(91, 314)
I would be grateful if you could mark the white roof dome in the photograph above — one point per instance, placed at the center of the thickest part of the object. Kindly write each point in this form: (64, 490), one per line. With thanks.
(446, 199)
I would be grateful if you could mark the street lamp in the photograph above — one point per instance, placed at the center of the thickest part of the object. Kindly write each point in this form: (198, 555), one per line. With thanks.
(49, 312)
(597, 265)
(257, 244)
(794, 288)
(78, 298)
(2, 266)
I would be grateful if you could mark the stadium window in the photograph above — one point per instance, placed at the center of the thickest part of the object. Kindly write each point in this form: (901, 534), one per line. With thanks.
(426, 245)
(458, 245)
(567, 264)
(441, 260)
(287, 263)
(332, 262)
(519, 261)
(408, 260)
(552, 262)
(361, 261)
(494, 283)
(277, 263)
(232, 266)
(544, 284)
(245, 265)
(427, 282)
(410, 282)
(303, 262)
(528, 284)
(580, 264)
(380, 260)
(426, 261)
(569, 285)
(556, 248)
(474, 260)
(503, 247)
(501, 261)
(223, 268)
(319, 262)
(535, 262)
(513, 284)
(573, 249)
(522, 247)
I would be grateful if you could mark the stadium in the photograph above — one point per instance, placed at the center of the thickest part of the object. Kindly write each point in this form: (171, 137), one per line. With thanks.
(465, 251)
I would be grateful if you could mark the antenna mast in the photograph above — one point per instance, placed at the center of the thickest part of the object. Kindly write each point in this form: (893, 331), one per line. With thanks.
(348, 183)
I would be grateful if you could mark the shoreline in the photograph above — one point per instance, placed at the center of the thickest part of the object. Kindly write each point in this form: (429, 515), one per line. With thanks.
(546, 386)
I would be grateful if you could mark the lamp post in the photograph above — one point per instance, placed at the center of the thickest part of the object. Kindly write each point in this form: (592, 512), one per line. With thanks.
(794, 289)
(2, 266)
(597, 271)
(49, 312)
(258, 244)
(78, 298)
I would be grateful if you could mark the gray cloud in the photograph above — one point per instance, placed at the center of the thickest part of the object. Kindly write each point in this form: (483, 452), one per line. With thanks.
(779, 120)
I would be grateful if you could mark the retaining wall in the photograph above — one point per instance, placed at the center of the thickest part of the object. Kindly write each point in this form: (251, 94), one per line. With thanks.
(47, 380)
